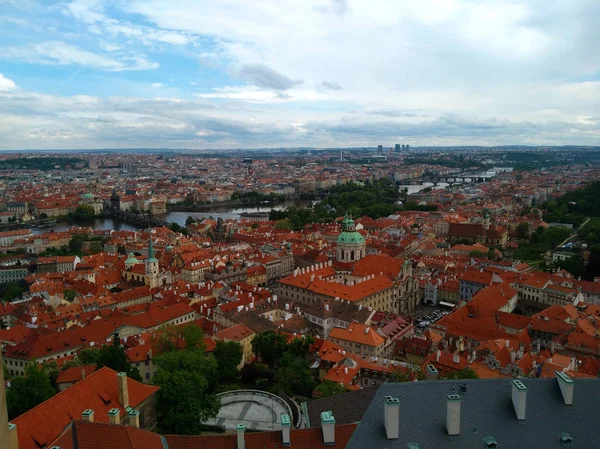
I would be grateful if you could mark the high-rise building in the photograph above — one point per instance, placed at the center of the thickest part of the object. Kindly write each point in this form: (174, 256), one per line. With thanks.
(397, 148)
(380, 148)
(407, 147)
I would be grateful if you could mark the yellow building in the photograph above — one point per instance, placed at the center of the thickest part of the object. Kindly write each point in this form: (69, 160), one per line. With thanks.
(241, 335)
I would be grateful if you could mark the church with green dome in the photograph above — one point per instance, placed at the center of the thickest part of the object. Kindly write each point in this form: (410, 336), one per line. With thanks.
(350, 243)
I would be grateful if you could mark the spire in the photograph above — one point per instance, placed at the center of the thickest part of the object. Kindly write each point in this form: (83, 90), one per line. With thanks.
(151, 257)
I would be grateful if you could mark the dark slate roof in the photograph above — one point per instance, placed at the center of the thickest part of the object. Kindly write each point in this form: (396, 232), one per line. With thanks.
(347, 408)
(486, 407)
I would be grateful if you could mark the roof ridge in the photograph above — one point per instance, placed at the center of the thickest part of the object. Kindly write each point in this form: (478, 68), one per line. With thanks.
(56, 395)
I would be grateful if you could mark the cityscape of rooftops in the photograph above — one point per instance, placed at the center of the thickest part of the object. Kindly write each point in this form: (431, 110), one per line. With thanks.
(329, 223)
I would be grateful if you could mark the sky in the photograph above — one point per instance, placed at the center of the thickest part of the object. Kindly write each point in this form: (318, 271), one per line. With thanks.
(210, 74)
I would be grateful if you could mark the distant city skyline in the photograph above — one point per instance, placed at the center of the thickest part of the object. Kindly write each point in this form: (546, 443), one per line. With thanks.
(189, 74)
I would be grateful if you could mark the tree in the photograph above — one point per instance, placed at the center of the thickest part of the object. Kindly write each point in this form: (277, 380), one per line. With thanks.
(69, 295)
(329, 388)
(12, 291)
(522, 230)
(43, 216)
(478, 254)
(76, 243)
(574, 265)
(115, 358)
(188, 383)
(52, 371)
(592, 269)
(294, 377)
(466, 373)
(228, 356)
(173, 338)
(121, 250)
(269, 346)
(88, 356)
(27, 391)
(190, 220)
(84, 212)
(299, 347)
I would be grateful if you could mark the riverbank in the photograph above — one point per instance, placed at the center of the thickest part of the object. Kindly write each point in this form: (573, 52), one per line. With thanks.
(187, 207)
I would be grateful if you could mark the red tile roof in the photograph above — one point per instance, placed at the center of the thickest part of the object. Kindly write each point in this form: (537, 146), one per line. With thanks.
(42, 424)
(75, 374)
(104, 436)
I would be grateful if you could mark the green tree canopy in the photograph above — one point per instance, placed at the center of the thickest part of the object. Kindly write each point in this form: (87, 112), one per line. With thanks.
(522, 230)
(115, 358)
(188, 383)
(466, 373)
(228, 356)
(299, 346)
(269, 346)
(27, 391)
(69, 295)
(329, 388)
(173, 338)
(294, 376)
(13, 290)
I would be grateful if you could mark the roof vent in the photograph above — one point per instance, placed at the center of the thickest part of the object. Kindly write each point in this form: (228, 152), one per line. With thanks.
(566, 439)
(490, 442)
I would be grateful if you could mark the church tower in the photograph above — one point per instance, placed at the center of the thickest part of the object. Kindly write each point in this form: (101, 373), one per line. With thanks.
(151, 266)
(350, 243)
(487, 221)
(115, 201)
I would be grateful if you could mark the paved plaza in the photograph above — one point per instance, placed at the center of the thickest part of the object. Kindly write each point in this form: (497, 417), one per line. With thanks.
(256, 410)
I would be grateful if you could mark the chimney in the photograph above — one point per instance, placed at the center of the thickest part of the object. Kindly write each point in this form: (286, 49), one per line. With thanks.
(8, 432)
(123, 390)
(241, 442)
(566, 385)
(134, 418)
(285, 430)
(13, 436)
(391, 416)
(88, 415)
(83, 373)
(328, 427)
(453, 414)
(431, 372)
(519, 398)
(114, 416)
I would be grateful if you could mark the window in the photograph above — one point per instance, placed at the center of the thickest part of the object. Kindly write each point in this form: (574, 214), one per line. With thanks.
(147, 376)
(147, 362)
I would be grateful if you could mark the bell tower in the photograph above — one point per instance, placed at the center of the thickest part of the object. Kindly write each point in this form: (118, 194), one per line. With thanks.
(151, 266)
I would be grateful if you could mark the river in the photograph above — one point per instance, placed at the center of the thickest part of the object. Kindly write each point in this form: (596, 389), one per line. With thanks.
(416, 188)
(224, 212)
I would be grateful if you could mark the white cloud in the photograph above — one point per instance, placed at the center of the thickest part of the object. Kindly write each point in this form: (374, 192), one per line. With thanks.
(436, 72)
(92, 13)
(6, 84)
(62, 53)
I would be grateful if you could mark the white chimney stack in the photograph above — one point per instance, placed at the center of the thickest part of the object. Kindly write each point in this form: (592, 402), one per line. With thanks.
(453, 414)
(328, 428)
(114, 416)
(519, 398)
(285, 430)
(87, 415)
(566, 385)
(123, 390)
(391, 413)
(241, 441)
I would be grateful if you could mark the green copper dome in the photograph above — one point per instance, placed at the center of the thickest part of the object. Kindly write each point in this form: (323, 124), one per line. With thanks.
(131, 259)
(349, 234)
